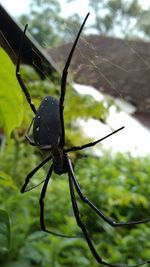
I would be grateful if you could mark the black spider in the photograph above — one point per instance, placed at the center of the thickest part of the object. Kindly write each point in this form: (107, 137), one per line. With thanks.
(49, 134)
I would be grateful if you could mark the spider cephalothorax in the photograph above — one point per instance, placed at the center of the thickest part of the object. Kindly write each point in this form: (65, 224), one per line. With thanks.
(49, 134)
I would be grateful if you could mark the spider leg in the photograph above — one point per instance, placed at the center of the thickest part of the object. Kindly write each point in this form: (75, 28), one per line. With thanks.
(64, 79)
(75, 148)
(82, 225)
(41, 201)
(31, 142)
(79, 221)
(29, 176)
(18, 75)
(100, 213)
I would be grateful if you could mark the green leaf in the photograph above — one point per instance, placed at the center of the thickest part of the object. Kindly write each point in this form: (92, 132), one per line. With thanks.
(11, 99)
(4, 232)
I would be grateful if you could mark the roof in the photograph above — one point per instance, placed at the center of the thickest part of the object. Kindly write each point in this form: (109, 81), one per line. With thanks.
(113, 66)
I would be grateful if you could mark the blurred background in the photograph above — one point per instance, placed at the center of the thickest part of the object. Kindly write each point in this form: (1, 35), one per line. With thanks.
(108, 87)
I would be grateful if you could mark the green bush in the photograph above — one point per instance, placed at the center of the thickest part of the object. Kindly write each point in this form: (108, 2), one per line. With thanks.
(117, 184)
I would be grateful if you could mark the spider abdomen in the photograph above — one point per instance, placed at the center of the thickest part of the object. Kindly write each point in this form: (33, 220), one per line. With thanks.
(59, 160)
(47, 129)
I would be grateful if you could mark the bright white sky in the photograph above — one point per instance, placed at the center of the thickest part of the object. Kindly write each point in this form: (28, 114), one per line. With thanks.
(17, 7)
(134, 136)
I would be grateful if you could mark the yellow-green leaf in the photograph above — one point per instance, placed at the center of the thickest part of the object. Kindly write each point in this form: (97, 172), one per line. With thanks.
(11, 99)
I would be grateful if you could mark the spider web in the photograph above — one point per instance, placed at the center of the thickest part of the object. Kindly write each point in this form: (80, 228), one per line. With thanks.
(117, 68)
(94, 59)
(86, 67)
(97, 63)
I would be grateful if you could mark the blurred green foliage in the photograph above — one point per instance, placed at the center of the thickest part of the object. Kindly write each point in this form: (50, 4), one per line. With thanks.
(117, 184)
(4, 232)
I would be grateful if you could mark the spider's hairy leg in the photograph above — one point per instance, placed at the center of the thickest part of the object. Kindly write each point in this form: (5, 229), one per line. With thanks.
(65, 70)
(99, 212)
(64, 79)
(83, 227)
(41, 201)
(87, 201)
(18, 75)
(31, 142)
(30, 175)
(75, 148)
(79, 221)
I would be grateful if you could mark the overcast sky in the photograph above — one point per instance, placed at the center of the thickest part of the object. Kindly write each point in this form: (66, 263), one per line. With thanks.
(17, 7)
